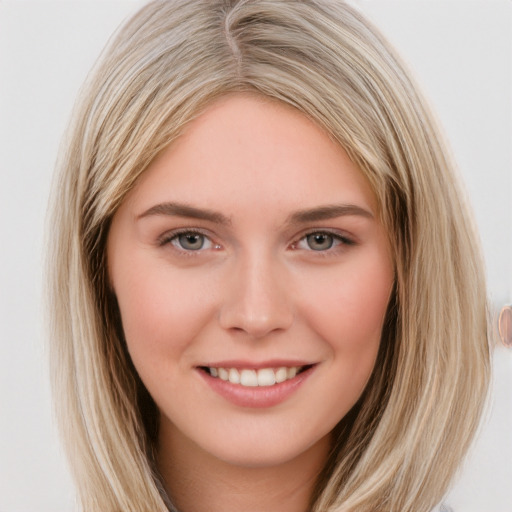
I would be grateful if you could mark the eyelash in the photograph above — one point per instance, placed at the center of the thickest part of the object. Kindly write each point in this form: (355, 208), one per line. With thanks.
(168, 238)
(339, 241)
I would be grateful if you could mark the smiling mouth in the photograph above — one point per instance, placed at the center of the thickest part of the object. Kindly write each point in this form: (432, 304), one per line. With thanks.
(263, 377)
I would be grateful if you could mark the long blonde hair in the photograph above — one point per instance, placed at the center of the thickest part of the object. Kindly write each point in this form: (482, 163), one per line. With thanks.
(399, 447)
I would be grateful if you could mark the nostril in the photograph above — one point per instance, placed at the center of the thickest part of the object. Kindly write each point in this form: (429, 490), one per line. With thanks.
(241, 319)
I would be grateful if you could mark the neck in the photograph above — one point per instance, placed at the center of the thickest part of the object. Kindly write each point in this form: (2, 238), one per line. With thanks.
(199, 482)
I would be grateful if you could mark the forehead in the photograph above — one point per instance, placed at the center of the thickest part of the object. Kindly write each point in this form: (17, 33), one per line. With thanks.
(247, 151)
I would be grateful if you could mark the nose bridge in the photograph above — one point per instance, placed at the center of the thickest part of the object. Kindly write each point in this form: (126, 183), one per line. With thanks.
(257, 300)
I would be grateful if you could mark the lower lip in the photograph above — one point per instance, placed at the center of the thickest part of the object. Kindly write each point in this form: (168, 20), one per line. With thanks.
(257, 396)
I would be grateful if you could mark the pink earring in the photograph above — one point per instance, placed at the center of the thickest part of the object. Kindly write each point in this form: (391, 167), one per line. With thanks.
(505, 326)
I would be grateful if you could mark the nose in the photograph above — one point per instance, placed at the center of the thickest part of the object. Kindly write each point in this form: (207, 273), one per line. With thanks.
(257, 300)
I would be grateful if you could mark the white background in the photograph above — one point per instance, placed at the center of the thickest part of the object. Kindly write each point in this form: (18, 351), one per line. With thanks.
(460, 51)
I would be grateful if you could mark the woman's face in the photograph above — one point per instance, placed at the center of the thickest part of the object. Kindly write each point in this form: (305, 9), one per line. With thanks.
(252, 276)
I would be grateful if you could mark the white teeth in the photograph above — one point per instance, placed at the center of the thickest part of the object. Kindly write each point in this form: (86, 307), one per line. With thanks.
(234, 376)
(248, 378)
(266, 377)
(281, 374)
(252, 378)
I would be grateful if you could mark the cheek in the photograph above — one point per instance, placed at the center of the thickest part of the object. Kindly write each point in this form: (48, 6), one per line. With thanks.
(348, 309)
(161, 311)
(349, 316)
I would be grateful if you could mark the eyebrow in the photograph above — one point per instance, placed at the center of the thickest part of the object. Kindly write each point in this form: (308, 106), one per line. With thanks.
(302, 216)
(328, 212)
(185, 210)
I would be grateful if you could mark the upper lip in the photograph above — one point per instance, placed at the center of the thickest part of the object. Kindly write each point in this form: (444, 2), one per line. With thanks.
(252, 365)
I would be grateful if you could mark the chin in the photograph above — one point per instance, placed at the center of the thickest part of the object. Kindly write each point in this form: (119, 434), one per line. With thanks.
(264, 452)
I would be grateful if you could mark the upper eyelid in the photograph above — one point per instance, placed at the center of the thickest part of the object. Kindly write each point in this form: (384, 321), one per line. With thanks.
(340, 234)
(343, 236)
(173, 233)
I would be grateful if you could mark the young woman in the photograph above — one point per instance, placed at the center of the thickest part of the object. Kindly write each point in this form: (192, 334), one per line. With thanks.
(266, 289)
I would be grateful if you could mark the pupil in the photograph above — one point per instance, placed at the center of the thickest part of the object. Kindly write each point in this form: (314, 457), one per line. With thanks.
(319, 241)
(191, 242)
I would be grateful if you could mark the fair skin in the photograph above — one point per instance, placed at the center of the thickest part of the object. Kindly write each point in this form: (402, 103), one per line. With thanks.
(250, 250)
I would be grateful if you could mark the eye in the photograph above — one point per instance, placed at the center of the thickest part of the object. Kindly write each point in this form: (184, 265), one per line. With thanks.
(322, 241)
(189, 241)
